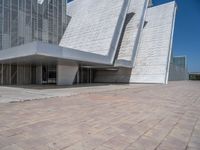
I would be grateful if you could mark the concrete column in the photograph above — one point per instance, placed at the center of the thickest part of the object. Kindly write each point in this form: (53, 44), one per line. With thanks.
(9, 74)
(39, 74)
(66, 74)
(1, 74)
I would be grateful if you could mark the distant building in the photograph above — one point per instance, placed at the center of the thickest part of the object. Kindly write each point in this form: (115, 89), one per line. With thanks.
(117, 41)
(178, 69)
(194, 75)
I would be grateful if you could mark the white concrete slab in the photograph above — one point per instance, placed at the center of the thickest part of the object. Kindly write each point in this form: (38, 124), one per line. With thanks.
(132, 31)
(38, 52)
(95, 26)
(154, 50)
(154, 53)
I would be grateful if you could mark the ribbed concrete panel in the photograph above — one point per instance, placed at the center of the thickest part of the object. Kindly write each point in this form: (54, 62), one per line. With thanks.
(132, 31)
(96, 26)
(154, 53)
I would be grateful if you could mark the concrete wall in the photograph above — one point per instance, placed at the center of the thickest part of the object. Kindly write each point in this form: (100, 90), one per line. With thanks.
(118, 75)
(66, 74)
(39, 74)
(132, 30)
(154, 50)
(95, 25)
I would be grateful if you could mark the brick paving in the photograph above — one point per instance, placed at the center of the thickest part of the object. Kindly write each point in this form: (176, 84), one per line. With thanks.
(153, 117)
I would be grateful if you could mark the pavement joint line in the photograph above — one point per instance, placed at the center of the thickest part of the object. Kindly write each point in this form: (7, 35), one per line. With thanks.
(191, 133)
(170, 131)
(144, 133)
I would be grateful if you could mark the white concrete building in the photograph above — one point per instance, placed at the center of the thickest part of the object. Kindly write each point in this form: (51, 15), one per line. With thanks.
(117, 41)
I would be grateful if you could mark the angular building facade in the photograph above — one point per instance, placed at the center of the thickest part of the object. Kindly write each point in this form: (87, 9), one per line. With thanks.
(24, 21)
(90, 41)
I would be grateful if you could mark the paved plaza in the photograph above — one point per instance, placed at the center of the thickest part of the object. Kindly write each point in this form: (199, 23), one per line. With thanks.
(107, 117)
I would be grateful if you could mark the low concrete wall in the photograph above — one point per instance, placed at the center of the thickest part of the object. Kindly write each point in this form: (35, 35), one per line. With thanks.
(66, 74)
(121, 75)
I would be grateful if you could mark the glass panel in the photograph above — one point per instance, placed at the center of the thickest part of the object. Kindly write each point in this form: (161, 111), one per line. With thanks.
(6, 17)
(33, 74)
(49, 74)
(13, 74)
(14, 23)
(23, 21)
(6, 74)
(1, 22)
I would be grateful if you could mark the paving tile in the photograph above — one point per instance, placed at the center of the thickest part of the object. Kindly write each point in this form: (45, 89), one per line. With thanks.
(132, 117)
(12, 147)
(145, 143)
(193, 148)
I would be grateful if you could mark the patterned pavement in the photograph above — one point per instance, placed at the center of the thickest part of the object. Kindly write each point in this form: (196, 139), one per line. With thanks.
(153, 117)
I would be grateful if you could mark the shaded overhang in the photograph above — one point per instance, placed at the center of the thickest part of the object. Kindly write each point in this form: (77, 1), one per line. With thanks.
(39, 53)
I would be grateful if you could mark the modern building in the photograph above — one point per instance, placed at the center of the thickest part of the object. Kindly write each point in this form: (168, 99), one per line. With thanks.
(117, 41)
(25, 21)
(194, 75)
(178, 69)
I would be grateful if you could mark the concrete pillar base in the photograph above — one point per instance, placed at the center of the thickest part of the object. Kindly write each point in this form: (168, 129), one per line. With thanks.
(66, 74)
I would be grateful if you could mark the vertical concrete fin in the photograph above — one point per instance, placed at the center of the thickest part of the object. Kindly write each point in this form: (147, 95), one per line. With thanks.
(154, 52)
(131, 32)
(95, 26)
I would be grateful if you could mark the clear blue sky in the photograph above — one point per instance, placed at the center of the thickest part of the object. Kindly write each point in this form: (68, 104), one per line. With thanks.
(187, 31)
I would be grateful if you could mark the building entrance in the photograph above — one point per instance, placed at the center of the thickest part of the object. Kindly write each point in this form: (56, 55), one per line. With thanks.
(85, 75)
(48, 74)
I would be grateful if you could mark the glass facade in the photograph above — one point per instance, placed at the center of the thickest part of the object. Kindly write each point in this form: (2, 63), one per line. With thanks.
(24, 21)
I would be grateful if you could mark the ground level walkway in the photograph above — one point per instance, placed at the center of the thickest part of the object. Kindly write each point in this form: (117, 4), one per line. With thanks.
(113, 117)
(34, 92)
